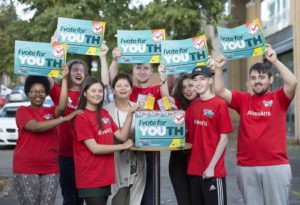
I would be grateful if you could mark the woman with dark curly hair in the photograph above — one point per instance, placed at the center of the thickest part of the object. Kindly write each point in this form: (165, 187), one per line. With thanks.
(35, 165)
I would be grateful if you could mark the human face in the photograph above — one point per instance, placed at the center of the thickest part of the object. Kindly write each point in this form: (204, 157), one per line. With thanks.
(260, 82)
(37, 95)
(188, 89)
(122, 89)
(142, 73)
(77, 74)
(201, 84)
(94, 95)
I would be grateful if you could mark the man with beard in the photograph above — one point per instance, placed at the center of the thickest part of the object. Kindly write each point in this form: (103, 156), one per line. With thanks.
(263, 170)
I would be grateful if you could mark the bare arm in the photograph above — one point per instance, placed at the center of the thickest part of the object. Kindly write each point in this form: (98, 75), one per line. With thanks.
(290, 81)
(209, 171)
(36, 126)
(219, 86)
(63, 99)
(113, 68)
(123, 133)
(104, 67)
(99, 149)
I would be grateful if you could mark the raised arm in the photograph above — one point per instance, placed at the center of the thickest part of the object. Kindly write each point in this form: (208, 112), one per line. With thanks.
(113, 68)
(290, 81)
(164, 88)
(104, 67)
(219, 86)
(63, 99)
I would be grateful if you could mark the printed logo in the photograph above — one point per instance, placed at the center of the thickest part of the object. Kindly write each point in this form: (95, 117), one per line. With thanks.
(268, 103)
(253, 29)
(58, 51)
(199, 43)
(106, 131)
(208, 113)
(157, 36)
(97, 29)
(179, 119)
(212, 187)
(47, 117)
(106, 120)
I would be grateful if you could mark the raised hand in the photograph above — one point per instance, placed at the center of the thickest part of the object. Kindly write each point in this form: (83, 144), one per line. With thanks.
(270, 54)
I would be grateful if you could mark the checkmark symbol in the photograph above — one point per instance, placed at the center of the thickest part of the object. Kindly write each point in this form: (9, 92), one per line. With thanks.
(178, 118)
(59, 50)
(254, 27)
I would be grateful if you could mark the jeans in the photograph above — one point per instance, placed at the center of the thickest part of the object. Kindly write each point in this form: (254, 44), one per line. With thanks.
(148, 193)
(67, 181)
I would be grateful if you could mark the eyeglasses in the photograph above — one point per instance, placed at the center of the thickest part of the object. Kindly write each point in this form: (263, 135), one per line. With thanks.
(37, 92)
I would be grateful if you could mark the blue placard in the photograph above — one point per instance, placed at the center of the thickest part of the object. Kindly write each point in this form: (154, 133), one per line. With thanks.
(181, 56)
(160, 129)
(143, 46)
(82, 36)
(43, 59)
(243, 41)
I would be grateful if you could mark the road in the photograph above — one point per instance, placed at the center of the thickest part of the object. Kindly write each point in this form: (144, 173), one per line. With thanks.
(8, 197)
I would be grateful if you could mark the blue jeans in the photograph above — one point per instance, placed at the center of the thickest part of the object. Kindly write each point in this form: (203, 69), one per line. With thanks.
(148, 193)
(67, 181)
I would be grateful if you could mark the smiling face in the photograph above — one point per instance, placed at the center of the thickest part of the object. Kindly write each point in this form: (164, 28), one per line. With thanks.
(188, 89)
(37, 95)
(77, 74)
(260, 82)
(122, 89)
(142, 73)
(94, 95)
(202, 84)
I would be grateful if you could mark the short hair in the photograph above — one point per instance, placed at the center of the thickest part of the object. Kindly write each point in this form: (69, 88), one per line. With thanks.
(33, 79)
(119, 77)
(261, 68)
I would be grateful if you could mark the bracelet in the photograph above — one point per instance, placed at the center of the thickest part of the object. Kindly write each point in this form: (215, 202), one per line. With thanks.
(61, 118)
(163, 82)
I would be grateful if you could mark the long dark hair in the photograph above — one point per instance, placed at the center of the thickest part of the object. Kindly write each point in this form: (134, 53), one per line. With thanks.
(87, 83)
(178, 94)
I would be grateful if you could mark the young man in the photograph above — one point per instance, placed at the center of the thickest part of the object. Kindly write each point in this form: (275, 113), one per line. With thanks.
(207, 122)
(263, 171)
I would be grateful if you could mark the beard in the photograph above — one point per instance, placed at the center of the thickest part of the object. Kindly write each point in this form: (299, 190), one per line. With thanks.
(261, 92)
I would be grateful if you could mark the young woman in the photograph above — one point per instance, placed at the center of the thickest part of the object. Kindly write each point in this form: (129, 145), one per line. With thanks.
(130, 166)
(35, 164)
(78, 72)
(183, 95)
(94, 144)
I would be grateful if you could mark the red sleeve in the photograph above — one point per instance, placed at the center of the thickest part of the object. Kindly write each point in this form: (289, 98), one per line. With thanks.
(55, 93)
(224, 121)
(284, 101)
(83, 128)
(22, 117)
(237, 100)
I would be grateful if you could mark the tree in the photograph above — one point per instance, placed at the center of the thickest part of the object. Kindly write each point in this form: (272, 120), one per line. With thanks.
(181, 19)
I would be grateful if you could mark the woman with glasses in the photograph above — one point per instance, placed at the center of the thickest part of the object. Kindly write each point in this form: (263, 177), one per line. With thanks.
(35, 165)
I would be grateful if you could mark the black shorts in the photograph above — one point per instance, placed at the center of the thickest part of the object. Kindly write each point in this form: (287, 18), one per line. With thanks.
(94, 192)
(208, 191)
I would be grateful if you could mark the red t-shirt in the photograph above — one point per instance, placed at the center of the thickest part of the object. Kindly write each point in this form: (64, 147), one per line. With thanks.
(93, 170)
(151, 90)
(36, 152)
(64, 130)
(262, 128)
(205, 122)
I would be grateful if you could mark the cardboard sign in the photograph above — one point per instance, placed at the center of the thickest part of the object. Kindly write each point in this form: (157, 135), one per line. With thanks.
(43, 59)
(160, 129)
(181, 56)
(140, 46)
(82, 36)
(243, 41)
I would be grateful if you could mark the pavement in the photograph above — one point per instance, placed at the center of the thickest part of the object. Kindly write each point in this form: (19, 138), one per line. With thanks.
(8, 196)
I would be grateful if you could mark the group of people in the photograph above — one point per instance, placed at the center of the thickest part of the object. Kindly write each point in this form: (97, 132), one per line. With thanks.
(83, 141)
